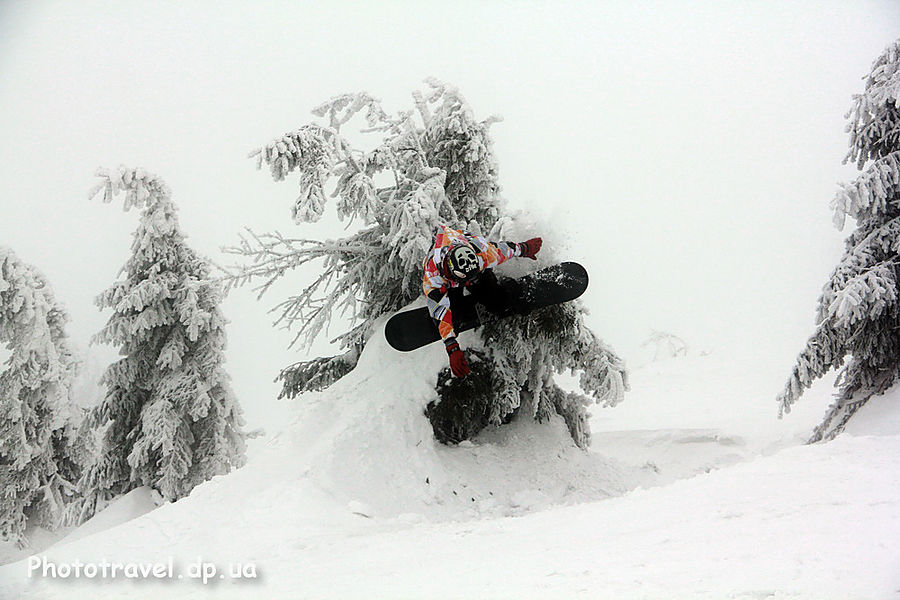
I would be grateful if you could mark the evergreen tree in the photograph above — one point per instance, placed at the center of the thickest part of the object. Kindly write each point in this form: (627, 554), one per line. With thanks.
(858, 311)
(432, 165)
(171, 419)
(36, 467)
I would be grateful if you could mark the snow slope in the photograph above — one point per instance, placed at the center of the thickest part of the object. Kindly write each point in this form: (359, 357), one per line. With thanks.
(692, 489)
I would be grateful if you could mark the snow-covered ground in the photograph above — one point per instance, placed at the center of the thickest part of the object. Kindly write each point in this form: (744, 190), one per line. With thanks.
(692, 489)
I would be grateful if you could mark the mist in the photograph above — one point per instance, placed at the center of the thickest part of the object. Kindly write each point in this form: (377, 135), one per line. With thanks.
(685, 152)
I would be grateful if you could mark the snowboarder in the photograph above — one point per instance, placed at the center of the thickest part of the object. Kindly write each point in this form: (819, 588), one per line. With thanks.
(462, 261)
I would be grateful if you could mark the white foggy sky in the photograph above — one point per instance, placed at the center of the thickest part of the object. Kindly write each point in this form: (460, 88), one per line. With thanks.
(687, 151)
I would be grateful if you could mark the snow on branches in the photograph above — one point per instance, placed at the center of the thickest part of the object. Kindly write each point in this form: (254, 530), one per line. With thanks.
(377, 269)
(873, 193)
(35, 406)
(858, 311)
(874, 126)
(312, 150)
(430, 165)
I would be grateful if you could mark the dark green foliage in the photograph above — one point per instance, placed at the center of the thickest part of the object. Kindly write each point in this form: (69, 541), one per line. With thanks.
(465, 405)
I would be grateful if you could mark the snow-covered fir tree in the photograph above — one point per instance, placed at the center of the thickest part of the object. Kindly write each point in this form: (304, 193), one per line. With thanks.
(37, 470)
(171, 419)
(430, 165)
(858, 311)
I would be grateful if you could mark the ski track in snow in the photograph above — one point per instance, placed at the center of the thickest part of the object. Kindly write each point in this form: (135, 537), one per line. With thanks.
(692, 489)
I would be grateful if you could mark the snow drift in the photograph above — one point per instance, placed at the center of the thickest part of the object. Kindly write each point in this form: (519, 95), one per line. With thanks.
(354, 499)
(366, 441)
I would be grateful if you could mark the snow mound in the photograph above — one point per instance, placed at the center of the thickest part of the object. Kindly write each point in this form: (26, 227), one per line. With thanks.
(366, 440)
(132, 505)
(879, 416)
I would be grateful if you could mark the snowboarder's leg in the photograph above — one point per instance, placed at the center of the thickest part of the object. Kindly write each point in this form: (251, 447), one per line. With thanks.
(495, 295)
(463, 311)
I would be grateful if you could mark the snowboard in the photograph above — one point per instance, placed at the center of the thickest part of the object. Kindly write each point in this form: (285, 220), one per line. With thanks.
(412, 329)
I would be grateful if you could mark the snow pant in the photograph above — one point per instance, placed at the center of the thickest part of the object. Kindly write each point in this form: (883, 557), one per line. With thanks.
(496, 296)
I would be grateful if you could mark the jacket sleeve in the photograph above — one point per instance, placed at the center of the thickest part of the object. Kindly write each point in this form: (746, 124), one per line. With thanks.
(495, 253)
(439, 307)
(437, 299)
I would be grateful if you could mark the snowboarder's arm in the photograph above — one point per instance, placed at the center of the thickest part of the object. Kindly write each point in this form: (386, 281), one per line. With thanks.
(438, 301)
(439, 306)
(436, 298)
(496, 253)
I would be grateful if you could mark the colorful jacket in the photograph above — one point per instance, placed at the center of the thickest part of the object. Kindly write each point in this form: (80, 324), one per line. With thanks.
(436, 284)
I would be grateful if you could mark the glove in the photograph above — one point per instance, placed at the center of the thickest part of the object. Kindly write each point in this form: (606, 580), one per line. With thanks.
(458, 363)
(530, 248)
